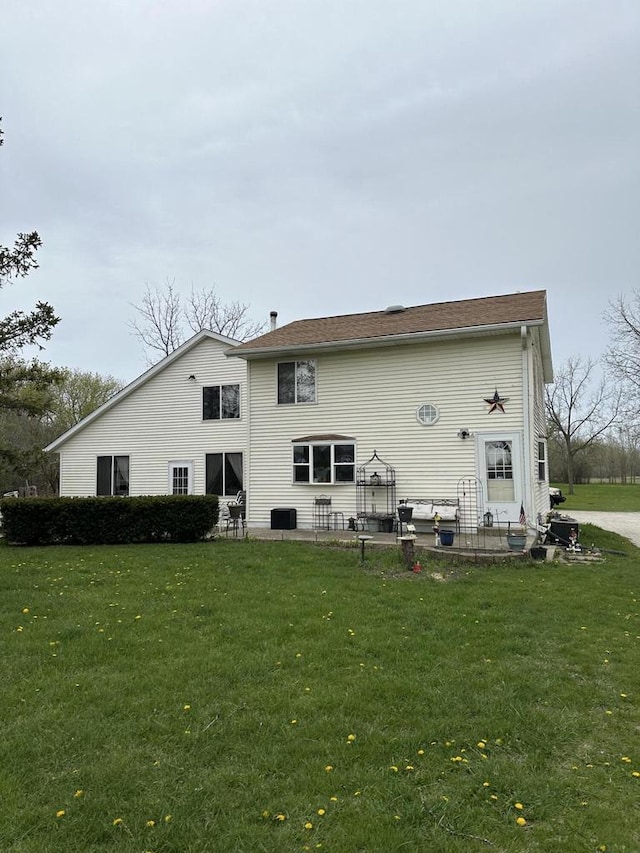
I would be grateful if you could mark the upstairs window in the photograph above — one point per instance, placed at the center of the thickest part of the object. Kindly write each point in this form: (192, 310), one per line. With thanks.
(113, 476)
(220, 402)
(324, 462)
(297, 381)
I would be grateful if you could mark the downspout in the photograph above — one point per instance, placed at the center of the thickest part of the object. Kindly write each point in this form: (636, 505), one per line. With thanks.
(529, 505)
(247, 461)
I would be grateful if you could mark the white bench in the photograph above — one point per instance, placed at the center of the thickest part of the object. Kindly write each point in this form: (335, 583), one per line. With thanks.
(425, 511)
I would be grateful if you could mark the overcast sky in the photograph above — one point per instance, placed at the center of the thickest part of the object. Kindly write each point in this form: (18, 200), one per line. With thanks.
(319, 157)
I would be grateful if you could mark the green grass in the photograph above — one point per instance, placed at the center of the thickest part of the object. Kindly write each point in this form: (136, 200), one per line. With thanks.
(209, 689)
(604, 497)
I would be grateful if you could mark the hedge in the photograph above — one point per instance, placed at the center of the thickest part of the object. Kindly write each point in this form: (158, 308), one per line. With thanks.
(102, 521)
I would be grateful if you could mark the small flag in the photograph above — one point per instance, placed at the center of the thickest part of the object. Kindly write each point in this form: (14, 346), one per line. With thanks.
(523, 517)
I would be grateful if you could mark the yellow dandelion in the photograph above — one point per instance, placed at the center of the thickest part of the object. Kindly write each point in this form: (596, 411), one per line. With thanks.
(138, 616)
(293, 722)
(351, 738)
(329, 768)
(521, 821)
(421, 752)
(393, 768)
(518, 806)
(151, 823)
(493, 797)
(626, 759)
(60, 813)
(485, 784)
(186, 707)
(321, 812)
(409, 767)
(397, 817)
(357, 793)
(333, 799)
(481, 744)
(636, 773)
(168, 818)
(25, 609)
(281, 817)
(118, 821)
(266, 813)
(308, 825)
(79, 793)
(602, 848)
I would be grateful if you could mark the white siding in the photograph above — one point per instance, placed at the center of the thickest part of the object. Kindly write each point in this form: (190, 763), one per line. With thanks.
(158, 422)
(539, 432)
(372, 396)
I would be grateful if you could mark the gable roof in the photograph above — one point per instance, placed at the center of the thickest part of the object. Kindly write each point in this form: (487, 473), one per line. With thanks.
(395, 325)
(141, 380)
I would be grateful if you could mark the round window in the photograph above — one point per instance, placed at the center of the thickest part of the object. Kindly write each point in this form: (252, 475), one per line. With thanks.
(427, 414)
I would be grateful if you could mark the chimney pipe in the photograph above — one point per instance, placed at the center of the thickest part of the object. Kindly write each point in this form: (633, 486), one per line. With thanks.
(274, 320)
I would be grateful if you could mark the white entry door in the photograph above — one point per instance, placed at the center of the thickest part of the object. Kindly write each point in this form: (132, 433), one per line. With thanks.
(181, 477)
(500, 471)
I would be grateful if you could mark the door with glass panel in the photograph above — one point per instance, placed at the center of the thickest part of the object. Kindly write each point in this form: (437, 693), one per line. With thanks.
(181, 477)
(500, 470)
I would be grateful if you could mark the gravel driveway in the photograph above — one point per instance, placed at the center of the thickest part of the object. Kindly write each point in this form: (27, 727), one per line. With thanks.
(624, 523)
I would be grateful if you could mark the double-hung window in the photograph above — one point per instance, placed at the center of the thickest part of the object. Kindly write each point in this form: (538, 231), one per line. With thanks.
(297, 381)
(224, 474)
(323, 462)
(113, 476)
(220, 402)
(542, 461)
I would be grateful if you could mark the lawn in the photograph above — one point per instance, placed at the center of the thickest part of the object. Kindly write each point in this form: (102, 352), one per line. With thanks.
(604, 497)
(243, 696)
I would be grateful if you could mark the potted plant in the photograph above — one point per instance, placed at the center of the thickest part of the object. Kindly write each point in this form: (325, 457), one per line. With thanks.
(516, 541)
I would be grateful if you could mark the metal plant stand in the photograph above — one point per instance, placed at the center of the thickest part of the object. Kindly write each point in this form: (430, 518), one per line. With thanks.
(376, 495)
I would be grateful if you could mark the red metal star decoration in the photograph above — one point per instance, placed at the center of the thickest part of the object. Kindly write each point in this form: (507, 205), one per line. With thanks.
(496, 402)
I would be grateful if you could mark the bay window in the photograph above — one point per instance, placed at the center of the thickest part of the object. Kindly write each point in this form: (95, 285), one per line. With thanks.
(323, 462)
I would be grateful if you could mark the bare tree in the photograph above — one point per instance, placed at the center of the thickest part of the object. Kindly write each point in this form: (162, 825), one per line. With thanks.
(623, 357)
(164, 318)
(160, 325)
(579, 412)
(205, 310)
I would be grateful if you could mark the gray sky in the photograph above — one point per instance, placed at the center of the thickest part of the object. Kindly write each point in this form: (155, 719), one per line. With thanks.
(319, 157)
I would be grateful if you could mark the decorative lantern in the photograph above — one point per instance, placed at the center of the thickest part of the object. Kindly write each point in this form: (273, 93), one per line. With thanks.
(488, 518)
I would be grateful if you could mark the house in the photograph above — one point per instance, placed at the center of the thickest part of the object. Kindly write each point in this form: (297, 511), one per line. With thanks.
(335, 420)
(440, 403)
(179, 428)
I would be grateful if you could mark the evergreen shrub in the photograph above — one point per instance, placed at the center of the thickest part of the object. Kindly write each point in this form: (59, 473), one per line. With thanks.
(108, 520)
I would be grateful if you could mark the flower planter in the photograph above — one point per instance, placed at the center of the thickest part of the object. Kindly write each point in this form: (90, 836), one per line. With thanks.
(516, 541)
(446, 537)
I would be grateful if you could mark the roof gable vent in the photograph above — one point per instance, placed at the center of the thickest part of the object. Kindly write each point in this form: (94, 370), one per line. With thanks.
(394, 309)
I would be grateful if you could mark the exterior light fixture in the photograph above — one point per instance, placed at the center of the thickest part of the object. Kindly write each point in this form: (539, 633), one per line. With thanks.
(488, 518)
(464, 433)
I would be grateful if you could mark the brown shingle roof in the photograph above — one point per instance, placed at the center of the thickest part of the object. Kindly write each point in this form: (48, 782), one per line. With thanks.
(512, 309)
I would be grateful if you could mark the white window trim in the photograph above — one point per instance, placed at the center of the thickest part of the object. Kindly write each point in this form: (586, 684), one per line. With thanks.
(297, 402)
(332, 443)
(427, 423)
